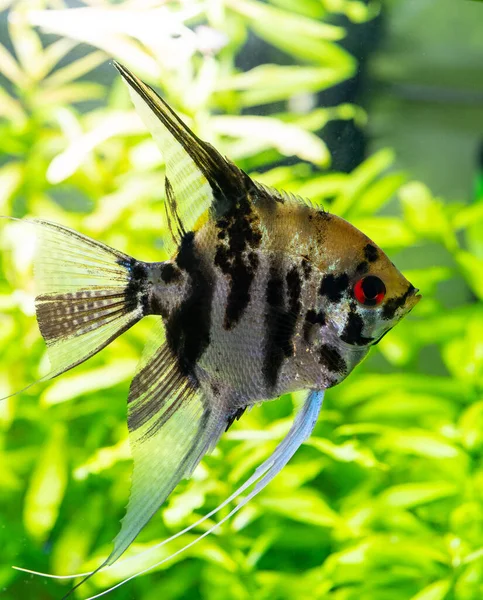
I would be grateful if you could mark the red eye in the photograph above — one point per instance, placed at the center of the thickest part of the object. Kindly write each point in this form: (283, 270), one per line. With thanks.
(370, 290)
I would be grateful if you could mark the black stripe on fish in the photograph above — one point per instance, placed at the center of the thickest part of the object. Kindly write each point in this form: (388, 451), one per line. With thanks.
(306, 267)
(371, 253)
(312, 318)
(188, 327)
(294, 288)
(139, 290)
(169, 273)
(241, 271)
(331, 358)
(280, 322)
(333, 286)
(390, 307)
(236, 258)
(274, 354)
(352, 332)
(362, 267)
(135, 290)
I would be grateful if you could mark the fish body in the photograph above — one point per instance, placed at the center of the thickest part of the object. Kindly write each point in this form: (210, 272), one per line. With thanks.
(264, 294)
(277, 312)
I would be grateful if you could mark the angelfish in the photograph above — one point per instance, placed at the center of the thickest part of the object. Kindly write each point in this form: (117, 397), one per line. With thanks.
(265, 294)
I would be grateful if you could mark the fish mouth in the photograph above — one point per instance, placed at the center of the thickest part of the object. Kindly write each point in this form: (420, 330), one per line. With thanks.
(413, 297)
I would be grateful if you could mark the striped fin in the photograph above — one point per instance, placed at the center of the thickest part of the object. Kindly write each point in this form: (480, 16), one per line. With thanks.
(172, 425)
(300, 431)
(199, 177)
(85, 294)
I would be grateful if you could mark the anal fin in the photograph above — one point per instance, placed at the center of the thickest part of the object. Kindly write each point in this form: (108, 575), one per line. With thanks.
(301, 430)
(172, 424)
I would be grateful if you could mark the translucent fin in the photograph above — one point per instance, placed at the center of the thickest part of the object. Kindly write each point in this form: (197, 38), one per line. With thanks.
(172, 424)
(287, 197)
(300, 431)
(199, 176)
(85, 294)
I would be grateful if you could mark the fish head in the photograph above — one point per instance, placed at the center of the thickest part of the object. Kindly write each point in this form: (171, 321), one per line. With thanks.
(363, 293)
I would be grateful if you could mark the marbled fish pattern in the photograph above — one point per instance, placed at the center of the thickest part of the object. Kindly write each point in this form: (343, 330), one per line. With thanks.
(265, 294)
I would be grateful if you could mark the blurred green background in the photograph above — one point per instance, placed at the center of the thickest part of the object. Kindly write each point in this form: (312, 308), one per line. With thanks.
(373, 110)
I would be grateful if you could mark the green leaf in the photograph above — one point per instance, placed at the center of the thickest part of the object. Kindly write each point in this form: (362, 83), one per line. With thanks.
(473, 556)
(270, 83)
(72, 385)
(321, 188)
(287, 138)
(405, 405)
(10, 108)
(420, 443)
(69, 94)
(10, 69)
(470, 426)
(266, 19)
(464, 355)
(468, 215)
(54, 53)
(72, 547)
(47, 486)
(381, 385)
(361, 177)
(377, 195)
(115, 124)
(472, 269)
(109, 35)
(346, 452)
(426, 215)
(308, 8)
(313, 50)
(388, 232)
(409, 495)
(75, 69)
(10, 179)
(103, 459)
(27, 44)
(434, 591)
(428, 278)
(304, 506)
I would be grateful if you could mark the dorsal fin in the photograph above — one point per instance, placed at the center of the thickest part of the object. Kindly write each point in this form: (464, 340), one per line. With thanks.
(200, 178)
(287, 197)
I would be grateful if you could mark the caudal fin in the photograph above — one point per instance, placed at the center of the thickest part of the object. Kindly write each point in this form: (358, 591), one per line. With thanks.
(87, 294)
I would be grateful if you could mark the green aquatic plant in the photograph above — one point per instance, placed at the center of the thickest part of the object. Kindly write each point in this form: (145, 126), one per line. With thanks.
(386, 498)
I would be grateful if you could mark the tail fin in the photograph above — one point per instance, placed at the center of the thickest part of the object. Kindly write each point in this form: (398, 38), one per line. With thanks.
(87, 294)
